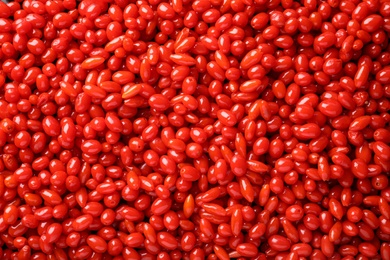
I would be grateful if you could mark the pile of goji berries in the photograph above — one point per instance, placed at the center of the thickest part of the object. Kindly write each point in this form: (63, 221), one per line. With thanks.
(194, 129)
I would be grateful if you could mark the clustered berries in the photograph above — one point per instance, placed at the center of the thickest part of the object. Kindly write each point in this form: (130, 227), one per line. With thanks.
(194, 129)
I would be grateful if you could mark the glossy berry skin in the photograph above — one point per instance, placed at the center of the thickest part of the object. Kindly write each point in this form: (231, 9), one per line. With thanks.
(177, 129)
